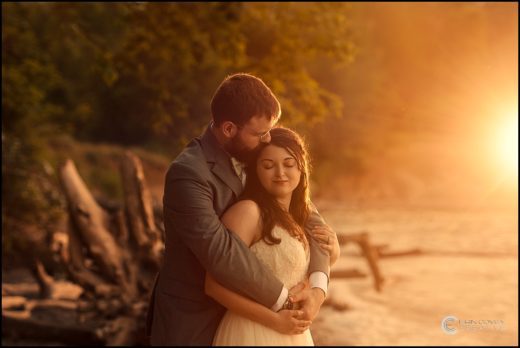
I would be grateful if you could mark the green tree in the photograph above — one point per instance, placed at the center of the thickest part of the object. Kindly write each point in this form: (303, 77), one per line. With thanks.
(166, 70)
(141, 73)
(284, 40)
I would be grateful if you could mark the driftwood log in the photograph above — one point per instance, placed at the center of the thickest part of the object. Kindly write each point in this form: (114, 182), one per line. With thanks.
(370, 253)
(112, 254)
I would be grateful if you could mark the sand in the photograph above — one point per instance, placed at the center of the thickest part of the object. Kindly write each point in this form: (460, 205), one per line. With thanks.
(469, 271)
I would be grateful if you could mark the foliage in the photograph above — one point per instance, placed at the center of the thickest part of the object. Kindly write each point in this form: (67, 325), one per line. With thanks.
(143, 74)
(166, 70)
(30, 197)
(132, 73)
(283, 39)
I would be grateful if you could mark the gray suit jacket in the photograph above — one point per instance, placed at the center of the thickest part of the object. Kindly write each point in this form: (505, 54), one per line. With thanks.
(200, 185)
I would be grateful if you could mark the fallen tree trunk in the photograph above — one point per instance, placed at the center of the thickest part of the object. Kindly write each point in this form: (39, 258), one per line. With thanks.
(370, 253)
(112, 254)
(347, 273)
(45, 281)
(146, 236)
(92, 224)
(409, 252)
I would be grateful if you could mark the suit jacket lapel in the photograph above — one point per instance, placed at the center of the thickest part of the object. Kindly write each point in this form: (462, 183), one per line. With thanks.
(220, 161)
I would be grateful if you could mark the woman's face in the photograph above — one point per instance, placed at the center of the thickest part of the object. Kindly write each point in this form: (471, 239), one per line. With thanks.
(278, 171)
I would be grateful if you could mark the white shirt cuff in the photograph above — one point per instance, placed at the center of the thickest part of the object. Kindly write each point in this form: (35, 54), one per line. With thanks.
(319, 280)
(281, 300)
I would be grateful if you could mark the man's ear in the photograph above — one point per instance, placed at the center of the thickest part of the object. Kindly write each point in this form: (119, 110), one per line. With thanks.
(229, 129)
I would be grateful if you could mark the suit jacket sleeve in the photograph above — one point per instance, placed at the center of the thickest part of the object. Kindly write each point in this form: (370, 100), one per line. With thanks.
(188, 202)
(320, 260)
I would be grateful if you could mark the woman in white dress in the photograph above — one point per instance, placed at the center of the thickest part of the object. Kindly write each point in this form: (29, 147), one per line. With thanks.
(269, 220)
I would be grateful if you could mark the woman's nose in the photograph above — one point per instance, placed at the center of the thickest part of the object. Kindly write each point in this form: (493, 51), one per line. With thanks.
(279, 172)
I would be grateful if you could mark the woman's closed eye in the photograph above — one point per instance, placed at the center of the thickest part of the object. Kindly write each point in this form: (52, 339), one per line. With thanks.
(270, 164)
(289, 163)
(267, 164)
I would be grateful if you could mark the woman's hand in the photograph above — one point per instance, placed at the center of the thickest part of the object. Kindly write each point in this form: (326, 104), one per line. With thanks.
(287, 322)
(327, 240)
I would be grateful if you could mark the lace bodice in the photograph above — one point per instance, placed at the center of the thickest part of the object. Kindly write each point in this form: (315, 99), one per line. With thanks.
(288, 260)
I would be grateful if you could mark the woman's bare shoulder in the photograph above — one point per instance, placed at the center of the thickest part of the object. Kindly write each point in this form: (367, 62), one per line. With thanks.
(244, 219)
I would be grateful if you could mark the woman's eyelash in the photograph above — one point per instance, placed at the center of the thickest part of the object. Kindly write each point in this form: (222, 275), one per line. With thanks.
(285, 164)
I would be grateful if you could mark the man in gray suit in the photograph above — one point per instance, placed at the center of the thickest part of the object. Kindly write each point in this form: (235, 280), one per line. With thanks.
(201, 183)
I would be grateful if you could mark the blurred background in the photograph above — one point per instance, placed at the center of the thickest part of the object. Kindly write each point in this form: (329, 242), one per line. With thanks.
(410, 111)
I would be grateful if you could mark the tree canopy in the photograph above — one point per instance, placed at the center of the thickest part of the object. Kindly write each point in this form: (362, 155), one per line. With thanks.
(137, 72)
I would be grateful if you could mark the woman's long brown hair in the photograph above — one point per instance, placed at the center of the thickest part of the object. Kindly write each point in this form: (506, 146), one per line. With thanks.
(271, 212)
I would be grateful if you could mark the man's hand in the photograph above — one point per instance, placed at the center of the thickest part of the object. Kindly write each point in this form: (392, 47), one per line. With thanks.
(328, 241)
(309, 299)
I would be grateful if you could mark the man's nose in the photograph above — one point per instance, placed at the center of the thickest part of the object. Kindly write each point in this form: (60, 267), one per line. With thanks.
(266, 138)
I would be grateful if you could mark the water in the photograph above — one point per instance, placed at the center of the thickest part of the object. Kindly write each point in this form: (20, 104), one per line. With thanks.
(449, 231)
(469, 270)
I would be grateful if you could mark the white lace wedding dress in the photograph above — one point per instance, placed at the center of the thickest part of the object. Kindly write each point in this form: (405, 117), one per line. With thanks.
(289, 261)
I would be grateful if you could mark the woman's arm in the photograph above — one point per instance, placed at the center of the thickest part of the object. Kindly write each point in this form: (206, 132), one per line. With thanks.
(243, 218)
(285, 321)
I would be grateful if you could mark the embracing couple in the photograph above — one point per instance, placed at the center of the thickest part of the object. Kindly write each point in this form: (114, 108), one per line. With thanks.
(247, 256)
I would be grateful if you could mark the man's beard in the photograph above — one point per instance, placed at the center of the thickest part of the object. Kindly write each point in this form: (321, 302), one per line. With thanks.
(238, 150)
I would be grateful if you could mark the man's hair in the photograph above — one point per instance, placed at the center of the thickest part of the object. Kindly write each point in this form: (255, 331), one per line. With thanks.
(242, 96)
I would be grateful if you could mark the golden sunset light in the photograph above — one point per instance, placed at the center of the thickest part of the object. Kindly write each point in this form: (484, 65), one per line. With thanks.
(168, 166)
(507, 144)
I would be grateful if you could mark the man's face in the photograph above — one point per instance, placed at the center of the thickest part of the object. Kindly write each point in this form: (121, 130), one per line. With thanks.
(249, 137)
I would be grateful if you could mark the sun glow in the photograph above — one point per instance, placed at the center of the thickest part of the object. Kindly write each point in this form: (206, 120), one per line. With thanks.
(506, 144)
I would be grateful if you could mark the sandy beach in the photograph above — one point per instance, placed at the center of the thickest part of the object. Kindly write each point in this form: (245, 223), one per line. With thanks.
(468, 270)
